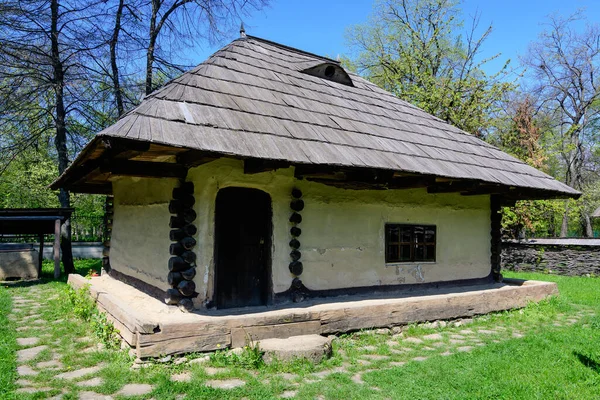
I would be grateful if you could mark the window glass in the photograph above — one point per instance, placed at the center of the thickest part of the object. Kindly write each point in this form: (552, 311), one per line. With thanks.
(410, 243)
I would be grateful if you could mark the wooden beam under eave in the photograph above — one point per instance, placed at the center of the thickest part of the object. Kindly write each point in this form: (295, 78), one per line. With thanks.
(144, 169)
(411, 182)
(487, 190)
(105, 189)
(194, 158)
(256, 166)
(452, 187)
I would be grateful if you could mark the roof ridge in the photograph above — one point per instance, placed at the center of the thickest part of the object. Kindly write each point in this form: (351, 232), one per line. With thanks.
(295, 50)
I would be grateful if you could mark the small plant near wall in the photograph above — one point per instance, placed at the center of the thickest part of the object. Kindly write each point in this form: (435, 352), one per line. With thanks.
(251, 356)
(84, 307)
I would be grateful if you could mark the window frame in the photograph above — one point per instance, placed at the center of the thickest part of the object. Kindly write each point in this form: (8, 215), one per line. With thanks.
(413, 243)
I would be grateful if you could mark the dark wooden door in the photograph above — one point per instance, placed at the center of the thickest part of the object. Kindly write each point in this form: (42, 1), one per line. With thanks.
(242, 248)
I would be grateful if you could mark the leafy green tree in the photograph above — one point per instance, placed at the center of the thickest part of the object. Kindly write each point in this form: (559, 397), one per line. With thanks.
(419, 50)
(564, 63)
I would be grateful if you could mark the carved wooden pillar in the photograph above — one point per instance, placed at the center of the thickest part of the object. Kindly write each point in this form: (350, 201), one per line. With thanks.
(182, 266)
(496, 236)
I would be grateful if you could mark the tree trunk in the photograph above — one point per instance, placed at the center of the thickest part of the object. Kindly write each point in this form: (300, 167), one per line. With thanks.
(564, 228)
(152, 35)
(587, 225)
(60, 140)
(113, 59)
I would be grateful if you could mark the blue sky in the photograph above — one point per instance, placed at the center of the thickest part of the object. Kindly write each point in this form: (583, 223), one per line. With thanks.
(319, 26)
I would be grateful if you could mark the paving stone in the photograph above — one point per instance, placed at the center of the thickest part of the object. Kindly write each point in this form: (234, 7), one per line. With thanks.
(397, 363)
(374, 357)
(225, 384)
(369, 348)
(412, 340)
(558, 324)
(49, 364)
(438, 344)
(200, 360)
(487, 332)
(30, 353)
(213, 371)
(324, 373)
(38, 321)
(571, 321)
(457, 337)
(466, 332)
(357, 378)
(23, 382)
(22, 328)
(456, 341)
(464, 348)
(363, 362)
(433, 336)
(135, 389)
(288, 394)
(420, 358)
(517, 335)
(288, 376)
(32, 390)
(183, 377)
(391, 343)
(93, 396)
(30, 341)
(446, 353)
(97, 381)
(400, 351)
(79, 373)
(25, 370)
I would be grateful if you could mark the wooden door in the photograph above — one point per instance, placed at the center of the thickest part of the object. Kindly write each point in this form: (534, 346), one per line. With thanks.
(242, 248)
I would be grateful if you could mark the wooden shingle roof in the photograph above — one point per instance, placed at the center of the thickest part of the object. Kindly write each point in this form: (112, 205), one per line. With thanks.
(252, 100)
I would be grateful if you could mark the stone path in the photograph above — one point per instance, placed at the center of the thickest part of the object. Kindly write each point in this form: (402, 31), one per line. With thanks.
(58, 357)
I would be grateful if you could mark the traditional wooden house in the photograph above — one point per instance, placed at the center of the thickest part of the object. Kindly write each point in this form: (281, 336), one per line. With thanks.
(268, 174)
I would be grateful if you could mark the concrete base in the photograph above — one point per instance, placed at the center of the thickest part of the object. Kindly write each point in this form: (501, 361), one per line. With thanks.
(155, 329)
(19, 264)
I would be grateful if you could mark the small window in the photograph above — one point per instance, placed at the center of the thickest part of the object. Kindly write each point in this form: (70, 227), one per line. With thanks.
(409, 243)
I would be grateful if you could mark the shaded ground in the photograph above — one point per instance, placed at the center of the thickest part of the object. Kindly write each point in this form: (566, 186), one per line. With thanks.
(544, 351)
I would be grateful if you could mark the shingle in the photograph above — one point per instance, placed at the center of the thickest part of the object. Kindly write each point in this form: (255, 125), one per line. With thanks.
(251, 99)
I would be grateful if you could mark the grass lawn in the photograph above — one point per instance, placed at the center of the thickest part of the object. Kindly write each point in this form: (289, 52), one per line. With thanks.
(545, 351)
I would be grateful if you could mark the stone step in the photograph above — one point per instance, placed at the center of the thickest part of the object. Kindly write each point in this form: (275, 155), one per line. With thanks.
(311, 347)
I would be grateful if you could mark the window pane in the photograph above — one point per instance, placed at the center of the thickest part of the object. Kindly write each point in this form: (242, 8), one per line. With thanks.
(419, 234)
(393, 234)
(392, 253)
(429, 253)
(430, 234)
(405, 252)
(406, 234)
(419, 252)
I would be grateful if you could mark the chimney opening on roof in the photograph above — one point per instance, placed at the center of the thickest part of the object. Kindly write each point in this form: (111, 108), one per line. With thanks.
(329, 71)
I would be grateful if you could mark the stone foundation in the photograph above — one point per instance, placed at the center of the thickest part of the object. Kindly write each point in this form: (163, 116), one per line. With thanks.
(560, 256)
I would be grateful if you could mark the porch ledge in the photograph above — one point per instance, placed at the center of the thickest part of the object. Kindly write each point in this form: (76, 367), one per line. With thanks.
(155, 329)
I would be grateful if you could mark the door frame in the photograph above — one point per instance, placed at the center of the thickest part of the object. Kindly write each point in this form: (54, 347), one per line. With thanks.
(269, 249)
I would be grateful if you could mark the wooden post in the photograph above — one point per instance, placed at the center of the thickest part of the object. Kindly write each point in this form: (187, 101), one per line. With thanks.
(41, 255)
(57, 249)
(496, 236)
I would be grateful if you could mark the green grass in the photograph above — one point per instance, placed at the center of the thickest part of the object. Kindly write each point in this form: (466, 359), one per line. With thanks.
(550, 357)
(8, 344)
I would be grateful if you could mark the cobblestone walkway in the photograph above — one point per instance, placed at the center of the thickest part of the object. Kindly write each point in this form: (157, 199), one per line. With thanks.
(58, 357)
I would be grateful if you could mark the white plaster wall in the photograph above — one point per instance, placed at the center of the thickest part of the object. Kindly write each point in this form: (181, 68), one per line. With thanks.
(342, 241)
(140, 236)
